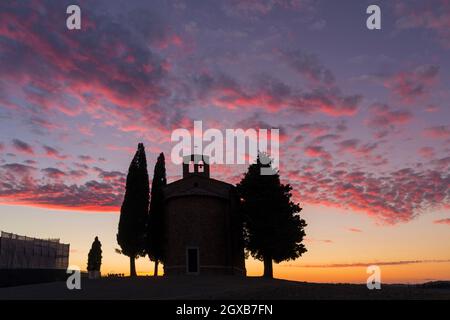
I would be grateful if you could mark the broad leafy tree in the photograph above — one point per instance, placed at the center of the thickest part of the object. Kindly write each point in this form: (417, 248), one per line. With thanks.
(273, 229)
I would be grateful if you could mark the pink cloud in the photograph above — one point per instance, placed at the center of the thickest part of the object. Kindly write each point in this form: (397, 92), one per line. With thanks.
(433, 16)
(23, 186)
(312, 129)
(112, 147)
(353, 146)
(173, 39)
(312, 240)
(426, 152)
(308, 65)
(86, 130)
(85, 158)
(315, 151)
(252, 9)
(389, 198)
(384, 116)
(410, 86)
(77, 174)
(442, 221)
(431, 108)
(53, 173)
(273, 95)
(438, 132)
(53, 153)
(42, 123)
(101, 81)
(22, 146)
(255, 122)
(329, 102)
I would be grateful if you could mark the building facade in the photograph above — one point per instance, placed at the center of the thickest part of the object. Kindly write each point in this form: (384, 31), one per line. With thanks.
(202, 224)
(21, 252)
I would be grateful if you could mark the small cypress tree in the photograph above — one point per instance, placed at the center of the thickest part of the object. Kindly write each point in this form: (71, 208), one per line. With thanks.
(134, 210)
(273, 229)
(95, 256)
(155, 226)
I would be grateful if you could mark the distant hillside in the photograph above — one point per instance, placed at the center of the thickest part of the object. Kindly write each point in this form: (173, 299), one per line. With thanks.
(436, 285)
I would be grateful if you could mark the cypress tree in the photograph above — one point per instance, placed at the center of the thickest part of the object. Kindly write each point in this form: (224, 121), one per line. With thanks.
(273, 229)
(95, 256)
(155, 226)
(134, 210)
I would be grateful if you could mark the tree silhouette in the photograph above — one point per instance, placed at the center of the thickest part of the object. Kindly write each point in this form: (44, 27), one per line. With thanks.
(95, 256)
(273, 229)
(155, 226)
(134, 210)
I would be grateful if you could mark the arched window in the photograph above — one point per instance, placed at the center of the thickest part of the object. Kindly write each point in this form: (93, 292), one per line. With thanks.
(201, 166)
(191, 166)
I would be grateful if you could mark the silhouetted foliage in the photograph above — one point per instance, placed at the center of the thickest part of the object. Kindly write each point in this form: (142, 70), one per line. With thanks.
(95, 256)
(134, 210)
(273, 229)
(155, 226)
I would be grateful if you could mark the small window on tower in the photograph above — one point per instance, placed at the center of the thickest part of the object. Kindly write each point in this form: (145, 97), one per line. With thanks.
(201, 166)
(191, 166)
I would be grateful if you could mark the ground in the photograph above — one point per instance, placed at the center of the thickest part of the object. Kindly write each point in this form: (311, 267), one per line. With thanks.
(223, 287)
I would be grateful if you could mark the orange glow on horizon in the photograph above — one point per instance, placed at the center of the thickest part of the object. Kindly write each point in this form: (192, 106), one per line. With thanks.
(335, 254)
(402, 273)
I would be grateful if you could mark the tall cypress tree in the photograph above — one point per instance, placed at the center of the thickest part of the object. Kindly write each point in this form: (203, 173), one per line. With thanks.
(134, 210)
(95, 256)
(155, 226)
(273, 229)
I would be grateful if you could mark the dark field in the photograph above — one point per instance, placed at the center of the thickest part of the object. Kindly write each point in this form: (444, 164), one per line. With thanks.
(225, 287)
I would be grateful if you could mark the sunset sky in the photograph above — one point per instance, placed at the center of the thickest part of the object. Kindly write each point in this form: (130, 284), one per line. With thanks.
(363, 118)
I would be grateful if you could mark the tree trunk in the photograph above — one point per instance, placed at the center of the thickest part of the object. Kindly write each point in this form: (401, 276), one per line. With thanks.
(268, 270)
(132, 267)
(156, 268)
